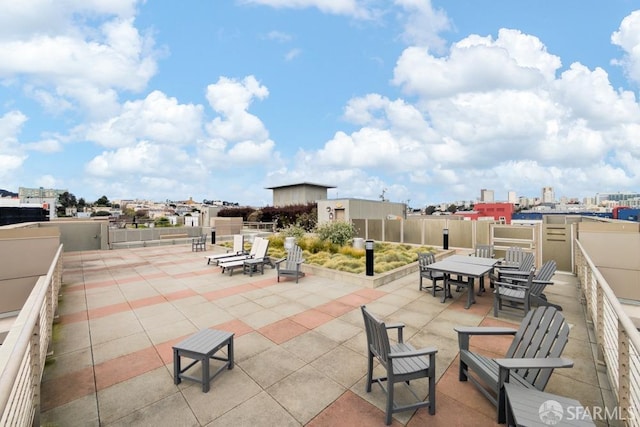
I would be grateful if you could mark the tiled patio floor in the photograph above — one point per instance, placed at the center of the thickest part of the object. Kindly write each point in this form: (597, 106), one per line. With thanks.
(299, 348)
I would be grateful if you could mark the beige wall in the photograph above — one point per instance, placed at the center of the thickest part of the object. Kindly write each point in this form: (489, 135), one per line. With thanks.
(615, 250)
(298, 195)
(26, 254)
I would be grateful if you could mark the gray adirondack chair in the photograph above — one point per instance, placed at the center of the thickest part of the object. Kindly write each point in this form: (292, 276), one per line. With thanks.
(289, 266)
(517, 294)
(522, 269)
(529, 362)
(540, 281)
(424, 259)
(402, 363)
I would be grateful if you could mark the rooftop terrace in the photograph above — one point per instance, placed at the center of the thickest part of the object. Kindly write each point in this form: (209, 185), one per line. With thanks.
(299, 348)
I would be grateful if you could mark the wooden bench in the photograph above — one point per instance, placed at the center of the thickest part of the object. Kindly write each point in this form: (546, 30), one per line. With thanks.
(174, 236)
(201, 347)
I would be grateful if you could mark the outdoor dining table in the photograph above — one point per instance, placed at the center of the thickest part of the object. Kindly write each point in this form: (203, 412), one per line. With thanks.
(469, 267)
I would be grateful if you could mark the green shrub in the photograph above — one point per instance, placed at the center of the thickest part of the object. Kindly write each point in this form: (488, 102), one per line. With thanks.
(340, 233)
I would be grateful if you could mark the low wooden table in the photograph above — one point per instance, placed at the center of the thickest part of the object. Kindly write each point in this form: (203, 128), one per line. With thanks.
(201, 347)
(253, 265)
(524, 408)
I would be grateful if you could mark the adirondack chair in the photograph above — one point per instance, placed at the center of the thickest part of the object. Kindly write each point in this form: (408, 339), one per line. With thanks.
(289, 266)
(238, 249)
(529, 362)
(402, 363)
(524, 267)
(424, 259)
(541, 279)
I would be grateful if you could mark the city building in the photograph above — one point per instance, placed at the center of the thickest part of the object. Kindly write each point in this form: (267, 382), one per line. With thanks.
(486, 195)
(298, 194)
(547, 195)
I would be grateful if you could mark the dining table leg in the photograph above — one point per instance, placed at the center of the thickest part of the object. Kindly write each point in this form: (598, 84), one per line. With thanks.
(470, 293)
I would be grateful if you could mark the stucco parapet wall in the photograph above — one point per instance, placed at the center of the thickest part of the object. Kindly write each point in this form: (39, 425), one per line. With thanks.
(365, 281)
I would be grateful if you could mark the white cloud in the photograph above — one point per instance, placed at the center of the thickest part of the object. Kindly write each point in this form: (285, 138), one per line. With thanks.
(354, 8)
(12, 155)
(157, 118)
(292, 54)
(476, 64)
(628, 38)
(279, 36)
(62, 61)
(423, 24)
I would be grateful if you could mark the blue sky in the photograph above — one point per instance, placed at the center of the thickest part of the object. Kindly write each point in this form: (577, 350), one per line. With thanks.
(430, 101)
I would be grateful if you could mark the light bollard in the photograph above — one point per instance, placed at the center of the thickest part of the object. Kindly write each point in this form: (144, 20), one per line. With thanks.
(445, 238)
(368, 251)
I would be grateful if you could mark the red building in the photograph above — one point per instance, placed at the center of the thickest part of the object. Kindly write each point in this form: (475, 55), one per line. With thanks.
(498, 211)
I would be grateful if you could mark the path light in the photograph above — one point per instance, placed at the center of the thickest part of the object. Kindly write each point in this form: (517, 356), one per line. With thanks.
(368, 247)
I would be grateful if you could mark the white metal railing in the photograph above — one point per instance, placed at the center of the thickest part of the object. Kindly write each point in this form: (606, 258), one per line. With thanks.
(618, 340)
(24, 350)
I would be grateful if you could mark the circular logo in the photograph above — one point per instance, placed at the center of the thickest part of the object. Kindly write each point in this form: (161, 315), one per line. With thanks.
(550, 412)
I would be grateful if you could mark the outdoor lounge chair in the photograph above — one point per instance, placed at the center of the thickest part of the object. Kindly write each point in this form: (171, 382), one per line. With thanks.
(424, 259)
(238, 249)
(260, 253)
(402, 363)
(289, 266)
(529, 362)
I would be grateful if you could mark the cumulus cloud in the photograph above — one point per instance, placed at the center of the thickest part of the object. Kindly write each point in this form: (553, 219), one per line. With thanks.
(492, 113)
(63, 62)
(157, 118)
(423, 25)
(12, 154)
(628, 38)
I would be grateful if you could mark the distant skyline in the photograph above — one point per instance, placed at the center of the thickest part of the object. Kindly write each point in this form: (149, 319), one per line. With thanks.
(430, 101)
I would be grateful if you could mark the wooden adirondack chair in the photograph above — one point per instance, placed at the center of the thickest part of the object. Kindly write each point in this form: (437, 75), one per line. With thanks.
(517, 294)
(525, 265)
(540, 280)
(424, 259)
(529, 362)
(289, 266)
(402, 363)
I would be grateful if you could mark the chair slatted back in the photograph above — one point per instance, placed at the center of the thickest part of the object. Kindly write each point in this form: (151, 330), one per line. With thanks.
(545, 274)
(484, 251)
(514, 255)
(527, 262)
(294, 257)
(542, 333)
(377, 337)
(424, 259)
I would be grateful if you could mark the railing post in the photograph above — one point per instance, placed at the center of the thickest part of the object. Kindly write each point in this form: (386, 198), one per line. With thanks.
(36, 372)
(600, 326)
(624, 376)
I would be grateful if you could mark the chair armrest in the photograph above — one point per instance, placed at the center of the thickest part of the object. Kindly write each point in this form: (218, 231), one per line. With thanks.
(534, 363)
(511, 285)
(484, 330)
(278, 261)
(419, 352)
(399, 327)
(515, 273)
(464, 332)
